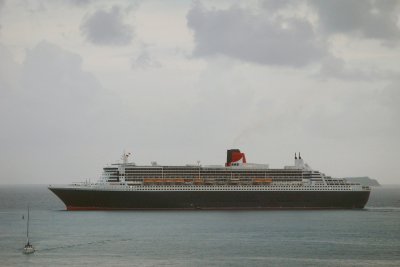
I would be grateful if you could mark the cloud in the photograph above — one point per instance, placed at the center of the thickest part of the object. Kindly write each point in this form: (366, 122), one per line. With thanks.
(1, 7)
(52, 99)
(9, 73)
(274, 5)
(333, 67)
(50, 71)
(277, 33)
(390, 99)
(368, 19)
(107, 28)
(242, 34)
(79, 2)
(53, 109)
(145, 61)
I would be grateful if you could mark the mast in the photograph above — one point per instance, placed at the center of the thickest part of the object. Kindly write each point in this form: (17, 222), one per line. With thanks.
(27, 228)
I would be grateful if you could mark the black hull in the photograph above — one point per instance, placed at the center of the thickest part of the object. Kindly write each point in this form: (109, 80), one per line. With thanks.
(78, 199)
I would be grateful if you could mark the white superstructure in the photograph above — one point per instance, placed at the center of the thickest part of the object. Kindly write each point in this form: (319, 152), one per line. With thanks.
(238, 176)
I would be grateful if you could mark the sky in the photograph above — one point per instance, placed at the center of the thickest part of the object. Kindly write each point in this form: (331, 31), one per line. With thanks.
(178, 82)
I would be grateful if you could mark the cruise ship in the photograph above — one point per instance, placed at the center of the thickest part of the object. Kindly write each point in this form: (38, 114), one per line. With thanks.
(235, 185)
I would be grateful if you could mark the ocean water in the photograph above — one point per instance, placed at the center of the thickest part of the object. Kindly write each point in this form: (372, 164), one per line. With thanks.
(369, 237)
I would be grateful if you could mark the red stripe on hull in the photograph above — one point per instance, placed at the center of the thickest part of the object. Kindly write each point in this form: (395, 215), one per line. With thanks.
(71, 208)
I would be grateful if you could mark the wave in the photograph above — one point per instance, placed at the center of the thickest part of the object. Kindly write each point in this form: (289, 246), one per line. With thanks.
(99, 242)
(383, 209)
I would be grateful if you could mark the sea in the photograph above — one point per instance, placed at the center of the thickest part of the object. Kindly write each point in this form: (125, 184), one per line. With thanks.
(368, 237)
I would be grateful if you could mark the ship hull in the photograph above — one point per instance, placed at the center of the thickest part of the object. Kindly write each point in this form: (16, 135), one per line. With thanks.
(83, 199)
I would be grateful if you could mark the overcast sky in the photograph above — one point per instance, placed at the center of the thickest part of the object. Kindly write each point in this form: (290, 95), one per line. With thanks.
(181, 81)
